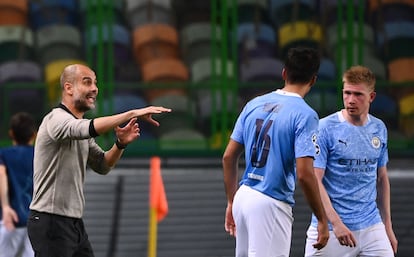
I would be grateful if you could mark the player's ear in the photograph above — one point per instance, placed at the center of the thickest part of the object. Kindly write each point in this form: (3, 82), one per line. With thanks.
(372, 96)
(284, 75)
(68, 87)
(313, 80)
(11, 134)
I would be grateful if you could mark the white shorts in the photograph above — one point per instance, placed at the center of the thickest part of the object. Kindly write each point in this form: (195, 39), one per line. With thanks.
(372, 241)
(15, 243)
(263, 224)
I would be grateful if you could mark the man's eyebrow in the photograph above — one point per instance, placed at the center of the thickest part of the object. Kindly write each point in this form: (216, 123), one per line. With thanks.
(89, 78)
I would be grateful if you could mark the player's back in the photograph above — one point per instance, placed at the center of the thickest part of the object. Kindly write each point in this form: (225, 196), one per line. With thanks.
(275, 128)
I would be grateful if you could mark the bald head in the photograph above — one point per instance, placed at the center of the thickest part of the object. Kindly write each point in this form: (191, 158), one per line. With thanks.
(69, 73)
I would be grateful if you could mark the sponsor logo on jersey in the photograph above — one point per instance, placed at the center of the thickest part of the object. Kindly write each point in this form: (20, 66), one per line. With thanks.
(255, 176)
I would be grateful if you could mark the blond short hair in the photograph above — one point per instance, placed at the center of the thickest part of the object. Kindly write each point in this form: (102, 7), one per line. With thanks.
(360, 75)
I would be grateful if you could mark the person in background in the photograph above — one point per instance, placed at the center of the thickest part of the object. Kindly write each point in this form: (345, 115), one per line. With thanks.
(277, 133)
(16, 186)
(65, 146)
(352, 175)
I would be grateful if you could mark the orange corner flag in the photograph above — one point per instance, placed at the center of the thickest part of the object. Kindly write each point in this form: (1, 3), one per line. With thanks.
(158, 198)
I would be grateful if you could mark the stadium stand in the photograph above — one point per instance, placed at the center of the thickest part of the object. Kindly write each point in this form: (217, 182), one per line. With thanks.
(204, 59)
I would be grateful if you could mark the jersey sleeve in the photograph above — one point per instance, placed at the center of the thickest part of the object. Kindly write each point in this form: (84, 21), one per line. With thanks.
(305, 135)
(322, 144)
(383, 159)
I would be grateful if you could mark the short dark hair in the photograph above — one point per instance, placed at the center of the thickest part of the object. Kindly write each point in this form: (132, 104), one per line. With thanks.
(23, 126)
(302, 64)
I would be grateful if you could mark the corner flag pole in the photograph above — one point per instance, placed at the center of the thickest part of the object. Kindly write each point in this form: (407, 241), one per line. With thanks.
(158, 205)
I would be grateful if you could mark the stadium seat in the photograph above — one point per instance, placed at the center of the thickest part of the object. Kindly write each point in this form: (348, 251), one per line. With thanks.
(304, 33)
(201, 70)
(13, 12)
(182, 116)
(377, 66)
(286, 11)
(16, 43)
(324, 101)
(20, 71)
(327, 70)
(154, 41)
(187, 12)
(196, 41)
(374, 5)
(333, 41)
(140, 13)
(396, 40)
(22, 88)
(164, 73)
(406, 105)
(265, 69)
(400, 70)
(116, 35)
(329, 11)
(250, 11)
(55, 42)
(183, 139)
(386, 108)
(391, 11)
(49, 12)
(215, 103)
(256, 40)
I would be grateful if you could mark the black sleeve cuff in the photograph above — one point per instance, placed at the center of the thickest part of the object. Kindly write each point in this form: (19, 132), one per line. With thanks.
(92, 131)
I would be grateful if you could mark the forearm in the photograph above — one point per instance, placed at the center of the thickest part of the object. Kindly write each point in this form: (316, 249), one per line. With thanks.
(310, 190)
(104, 124)
(332, 215)
(383, 195)
(230, 180)
(230, 164)
(113, 155)
(4, 188)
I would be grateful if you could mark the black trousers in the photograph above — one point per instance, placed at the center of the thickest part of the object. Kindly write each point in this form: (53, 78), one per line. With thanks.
(58, 236)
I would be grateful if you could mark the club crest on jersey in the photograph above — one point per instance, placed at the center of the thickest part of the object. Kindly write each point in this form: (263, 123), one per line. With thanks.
(376, 142)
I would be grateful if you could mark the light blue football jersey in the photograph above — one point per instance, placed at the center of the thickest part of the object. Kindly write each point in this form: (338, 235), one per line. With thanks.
(351, 156)
(275, 128)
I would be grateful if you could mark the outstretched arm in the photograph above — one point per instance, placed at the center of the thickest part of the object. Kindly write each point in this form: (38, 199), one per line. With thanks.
(107, 123)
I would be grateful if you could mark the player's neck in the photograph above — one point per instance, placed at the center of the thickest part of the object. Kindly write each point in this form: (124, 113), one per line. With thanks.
(356, 120)
(301, 90)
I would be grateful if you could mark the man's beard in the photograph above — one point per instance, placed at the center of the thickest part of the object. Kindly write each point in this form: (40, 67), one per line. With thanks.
(82, 106)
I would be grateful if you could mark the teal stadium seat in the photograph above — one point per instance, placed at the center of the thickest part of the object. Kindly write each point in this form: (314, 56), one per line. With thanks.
(16, 43)
(196, 41)
(55, 42)
(285, 11)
